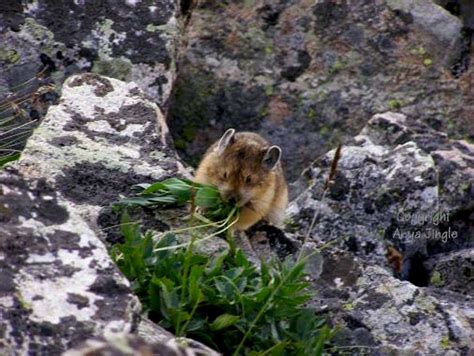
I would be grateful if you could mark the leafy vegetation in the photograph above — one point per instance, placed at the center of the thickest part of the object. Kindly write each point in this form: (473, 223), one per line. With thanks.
(223, 301)
(176, 191)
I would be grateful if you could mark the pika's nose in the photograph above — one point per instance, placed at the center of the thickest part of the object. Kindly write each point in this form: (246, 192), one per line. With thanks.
(232, 200)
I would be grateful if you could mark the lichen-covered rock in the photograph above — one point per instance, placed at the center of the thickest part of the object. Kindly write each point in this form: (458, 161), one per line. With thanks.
(153, 333)
(59, 287)
(133, 345)
(308, 74)
(405, 318)
(45, 42)
(379, 314)
(393, 188)
(445, 32)
(453, 271)
(128, 40)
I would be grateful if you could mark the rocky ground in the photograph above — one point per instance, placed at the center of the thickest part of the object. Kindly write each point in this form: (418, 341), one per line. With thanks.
(389, 79)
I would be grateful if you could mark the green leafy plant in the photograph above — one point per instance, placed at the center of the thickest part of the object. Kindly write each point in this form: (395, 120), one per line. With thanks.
(207, 206)
(180, 191)
(224, 300)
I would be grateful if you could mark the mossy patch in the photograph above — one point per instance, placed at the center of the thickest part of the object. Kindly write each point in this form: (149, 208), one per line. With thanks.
(394, 104)
(9, 55)
(311, 115)
(436, 279)
(118, 68)
(444, 343)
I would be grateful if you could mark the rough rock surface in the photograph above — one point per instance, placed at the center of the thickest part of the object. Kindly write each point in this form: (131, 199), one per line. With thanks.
(128, 40)
(308, 74)
(411, 188)
(131, 345)
(58, 284)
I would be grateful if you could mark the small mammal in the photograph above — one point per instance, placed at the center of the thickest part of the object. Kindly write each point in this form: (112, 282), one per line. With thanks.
(247, 171)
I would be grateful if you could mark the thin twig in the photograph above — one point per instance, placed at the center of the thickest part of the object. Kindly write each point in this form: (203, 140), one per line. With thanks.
(327, 186)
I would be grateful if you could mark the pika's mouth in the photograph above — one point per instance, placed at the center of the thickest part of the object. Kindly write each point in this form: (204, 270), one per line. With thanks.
(247, 204)
(238, 201)
(242, 202)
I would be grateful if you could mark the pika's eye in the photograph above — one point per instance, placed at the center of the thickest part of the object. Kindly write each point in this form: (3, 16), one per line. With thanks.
(248, 179)
(224, 176)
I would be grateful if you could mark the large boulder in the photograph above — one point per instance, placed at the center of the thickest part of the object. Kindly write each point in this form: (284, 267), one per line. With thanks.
(58, 283)
(308, 74)
(395, 228)
(44, 42)
(127, 40)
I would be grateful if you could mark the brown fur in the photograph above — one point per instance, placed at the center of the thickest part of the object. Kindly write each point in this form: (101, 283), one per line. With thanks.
(264, 197)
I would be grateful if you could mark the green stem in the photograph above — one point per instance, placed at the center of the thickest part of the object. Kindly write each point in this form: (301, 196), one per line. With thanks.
(187, 264)
(263, 310)
(231, 242)
(200, 240)
(185, 326)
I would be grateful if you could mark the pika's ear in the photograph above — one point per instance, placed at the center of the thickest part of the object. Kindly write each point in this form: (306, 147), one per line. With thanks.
(226, 139)
(271, 157)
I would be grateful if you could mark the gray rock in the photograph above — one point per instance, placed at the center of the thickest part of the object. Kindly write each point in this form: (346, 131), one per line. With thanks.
(444, 27)
(392, 181)
(43, 43)
(387, 191)
(130, 40)
(130, 345)
(464, 8)
(308, 75)
(404, 318)
(453, 270)
(59, 285)
(153, 333)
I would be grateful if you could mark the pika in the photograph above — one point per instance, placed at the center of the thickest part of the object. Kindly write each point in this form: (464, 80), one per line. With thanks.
(247, 171)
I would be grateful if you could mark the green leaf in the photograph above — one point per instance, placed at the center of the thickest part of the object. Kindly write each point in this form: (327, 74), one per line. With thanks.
(215, 266)
(135, 201)
(276, 350)
(264, 271)
(224, 321)
(295, 271)
(151, 188)
(223, 287)
(324, 335)
(164, 199)
(179, 188)
(207, 197)
(194, 289)
(130, 231)
(10, 158)
(233, 273)
(196, 324)
(241, 259)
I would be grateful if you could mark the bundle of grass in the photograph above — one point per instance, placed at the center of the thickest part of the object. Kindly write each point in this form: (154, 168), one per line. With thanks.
(207, 209)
